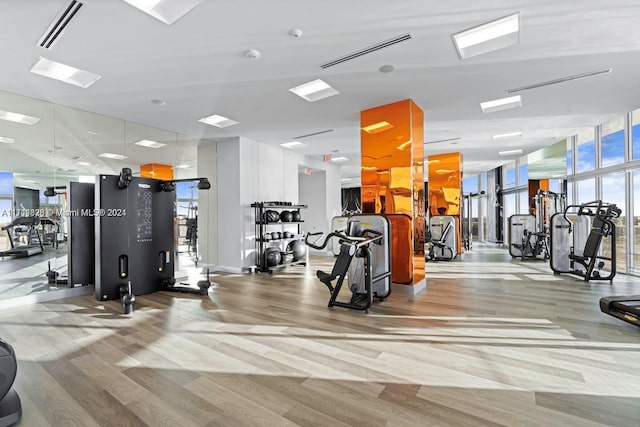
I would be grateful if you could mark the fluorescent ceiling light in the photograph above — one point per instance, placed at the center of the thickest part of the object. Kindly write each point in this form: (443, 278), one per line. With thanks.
(488, 37)
(183, 167)
(84, 164)
(561, 80)
(18, 118)
(150, 144)
(292, 144)
(167, 11)
(339, 159)
(507, 135)
(33, 182)
(64, 73)
(314, 91)
(7, 140)
(510, 152)
(501, 104)
(112, 156)
(89, 179)
(218, 121)
(378, 127)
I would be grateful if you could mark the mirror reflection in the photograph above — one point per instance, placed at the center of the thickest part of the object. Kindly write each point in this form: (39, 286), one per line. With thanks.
(43, 148)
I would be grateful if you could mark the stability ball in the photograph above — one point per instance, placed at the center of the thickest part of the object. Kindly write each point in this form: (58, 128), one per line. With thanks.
(286, 216)
(298, 249)
(272, 257)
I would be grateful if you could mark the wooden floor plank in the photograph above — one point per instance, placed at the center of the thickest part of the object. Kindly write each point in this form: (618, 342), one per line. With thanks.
(492, 341)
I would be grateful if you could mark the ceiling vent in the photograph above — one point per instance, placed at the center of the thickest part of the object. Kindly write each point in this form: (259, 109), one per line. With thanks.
(313, 134)
(59, 24)
(390, 42)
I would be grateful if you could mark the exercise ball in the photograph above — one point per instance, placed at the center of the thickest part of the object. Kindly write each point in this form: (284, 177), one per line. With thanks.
(266, 237)
(298, 249)
(274, 235)
(295, 216)
(10, 407)
(272, 257)
(286, 216)
(272, 216)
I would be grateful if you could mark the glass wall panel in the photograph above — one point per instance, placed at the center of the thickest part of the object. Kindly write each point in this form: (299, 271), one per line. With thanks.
(569, 157)
(470, 184)
(613, 142)
(510, 175)
(635, 135)
(635, 247)
(523, 178)
(483, 181)
(586, 146)
(523, 197)
(586, 191)
(613, 188)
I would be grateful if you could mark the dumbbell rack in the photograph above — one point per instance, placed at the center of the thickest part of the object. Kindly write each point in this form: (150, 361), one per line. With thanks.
(262, 227)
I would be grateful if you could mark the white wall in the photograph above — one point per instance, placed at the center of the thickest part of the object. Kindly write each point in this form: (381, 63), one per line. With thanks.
(248, 172)
(208, 204)
(313, 193)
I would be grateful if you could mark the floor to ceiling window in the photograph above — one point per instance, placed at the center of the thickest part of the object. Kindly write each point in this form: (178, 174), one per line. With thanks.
(586, 155)
(613, 142)
(635, 135)
(635, 246)
(613, 191)
(586, 191)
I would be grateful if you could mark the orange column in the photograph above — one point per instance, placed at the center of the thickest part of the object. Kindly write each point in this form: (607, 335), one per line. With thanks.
(157, 171)
(392, 147)
(445, 188)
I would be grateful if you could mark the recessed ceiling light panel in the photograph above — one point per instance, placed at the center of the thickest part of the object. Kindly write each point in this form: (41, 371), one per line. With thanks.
(501, 104)
(314, 90)
(218, 121)
(507, 135)
(7, 140)
(292, 144)
(488, 37)
(150, 144)
(340, 159)
(510, 152)
(167, 11)
(64, 73)
(18, 118)
(112, 156)
(183, 166)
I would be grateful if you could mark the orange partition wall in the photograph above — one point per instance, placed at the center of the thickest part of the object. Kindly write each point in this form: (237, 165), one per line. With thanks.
(392, 138)
(445, 188)
(157, 171)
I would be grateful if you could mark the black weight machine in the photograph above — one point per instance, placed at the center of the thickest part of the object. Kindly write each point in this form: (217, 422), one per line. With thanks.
(446, 252)
(134, 251)
(352, 247)
(592, 260)
(534, 245)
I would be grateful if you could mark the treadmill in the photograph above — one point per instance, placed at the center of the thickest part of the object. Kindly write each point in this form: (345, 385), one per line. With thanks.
(625, 308)
(33, 246)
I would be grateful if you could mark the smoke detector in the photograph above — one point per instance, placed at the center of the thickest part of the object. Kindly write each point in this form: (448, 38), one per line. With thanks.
(297, 33)
(252, 54)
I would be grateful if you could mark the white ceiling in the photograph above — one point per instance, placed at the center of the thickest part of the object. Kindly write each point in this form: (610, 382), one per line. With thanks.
(198, 67)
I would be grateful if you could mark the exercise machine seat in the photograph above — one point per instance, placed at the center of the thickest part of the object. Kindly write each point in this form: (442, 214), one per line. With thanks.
(10, 407)
(591, 247)
(339, 268)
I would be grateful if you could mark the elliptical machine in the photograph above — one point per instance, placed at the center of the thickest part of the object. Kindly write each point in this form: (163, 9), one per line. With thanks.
(355, 247)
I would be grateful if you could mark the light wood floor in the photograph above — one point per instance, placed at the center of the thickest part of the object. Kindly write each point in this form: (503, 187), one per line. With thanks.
(491, 342)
